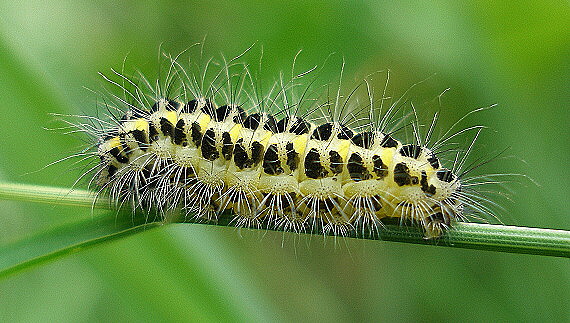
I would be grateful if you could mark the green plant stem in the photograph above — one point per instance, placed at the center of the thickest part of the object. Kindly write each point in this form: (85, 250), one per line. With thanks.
(502, 238)
(51, 195)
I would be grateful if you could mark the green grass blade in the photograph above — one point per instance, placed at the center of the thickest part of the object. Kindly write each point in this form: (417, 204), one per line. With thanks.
(11, 255)
(197, 297)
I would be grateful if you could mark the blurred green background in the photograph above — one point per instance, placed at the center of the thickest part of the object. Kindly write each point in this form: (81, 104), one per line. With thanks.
(514, 54)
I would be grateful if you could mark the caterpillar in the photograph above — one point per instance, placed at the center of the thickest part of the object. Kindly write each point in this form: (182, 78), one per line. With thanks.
(209, 140)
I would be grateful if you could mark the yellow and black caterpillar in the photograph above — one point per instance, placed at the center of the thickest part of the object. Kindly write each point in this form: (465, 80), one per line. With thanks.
(207, 151)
